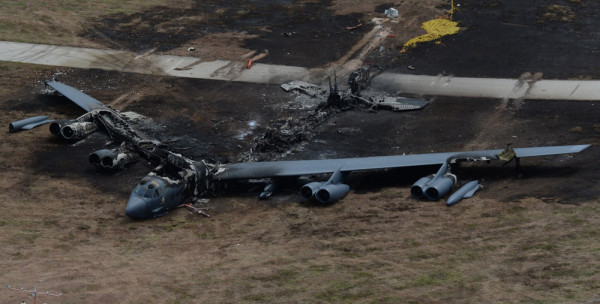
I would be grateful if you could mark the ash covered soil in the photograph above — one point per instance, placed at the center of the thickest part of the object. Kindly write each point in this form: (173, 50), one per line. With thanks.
(528, 239)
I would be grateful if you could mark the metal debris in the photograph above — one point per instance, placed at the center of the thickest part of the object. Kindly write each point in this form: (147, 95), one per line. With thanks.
(391, 12)
(394, 103)
(284, 136)
(304, 87)
(507, 154)
(361, 78)
(200, 211)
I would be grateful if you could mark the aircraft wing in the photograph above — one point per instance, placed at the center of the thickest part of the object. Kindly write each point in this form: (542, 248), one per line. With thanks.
(83, 100)
(309, 167)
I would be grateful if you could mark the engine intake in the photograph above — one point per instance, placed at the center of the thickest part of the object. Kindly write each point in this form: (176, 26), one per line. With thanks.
(78, 130)
(112, 158)
(326, 192)
(56, 126)
(308, 191)
(332, 193)
(417, 189)
(439, 187)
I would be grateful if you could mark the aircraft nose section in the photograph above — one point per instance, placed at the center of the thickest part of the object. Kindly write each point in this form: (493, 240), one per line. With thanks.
(136, 208)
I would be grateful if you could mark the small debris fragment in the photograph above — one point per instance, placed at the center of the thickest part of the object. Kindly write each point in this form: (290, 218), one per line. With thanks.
(391, 12)
(354, 27)
(304, 87)
(191, 49)
(410, 67)
(200, 211)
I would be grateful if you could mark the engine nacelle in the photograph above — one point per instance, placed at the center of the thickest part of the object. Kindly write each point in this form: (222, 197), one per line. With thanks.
(439, 187)
(56, 126)
(309, 190)
(417, 189)
(112, 158)
(331, 193)
(78, 130)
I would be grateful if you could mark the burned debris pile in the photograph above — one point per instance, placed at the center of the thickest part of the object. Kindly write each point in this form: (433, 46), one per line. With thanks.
(286, 135)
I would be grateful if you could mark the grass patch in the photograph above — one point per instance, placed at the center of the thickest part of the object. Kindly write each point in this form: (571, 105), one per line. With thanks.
(26, 236)
(437, 278)
(423, 255)
(408, 242)
(286, 276)
(344, 291)
(540, 246)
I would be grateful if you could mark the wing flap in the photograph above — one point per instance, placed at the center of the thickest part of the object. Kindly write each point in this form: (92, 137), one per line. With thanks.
(83, 100)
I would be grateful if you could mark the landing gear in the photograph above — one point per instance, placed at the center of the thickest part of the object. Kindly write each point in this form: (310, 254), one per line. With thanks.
(267, 191)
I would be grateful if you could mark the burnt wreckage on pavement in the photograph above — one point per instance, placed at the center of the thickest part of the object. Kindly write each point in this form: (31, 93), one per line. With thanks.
(177, 179)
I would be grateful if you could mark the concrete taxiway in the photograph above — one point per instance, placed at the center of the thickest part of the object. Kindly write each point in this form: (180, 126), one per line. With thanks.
(528, 87)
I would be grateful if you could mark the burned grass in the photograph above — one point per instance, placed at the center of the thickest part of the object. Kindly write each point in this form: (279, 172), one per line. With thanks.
(499, 28)
(289, 31)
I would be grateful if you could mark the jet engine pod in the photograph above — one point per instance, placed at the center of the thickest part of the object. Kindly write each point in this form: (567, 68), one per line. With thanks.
(331, 193)
(78, 130)
(97, 158)
(417, 188)
(56, 126)
(112, 159)
(307, 191)
(440, 187)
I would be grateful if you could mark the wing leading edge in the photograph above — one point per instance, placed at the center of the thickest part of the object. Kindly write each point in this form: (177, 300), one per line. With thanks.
(308, 167)
(83, 100)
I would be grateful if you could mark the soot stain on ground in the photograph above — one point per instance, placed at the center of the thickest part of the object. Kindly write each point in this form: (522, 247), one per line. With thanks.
(507, 38)
(291, 31)
(70, 160)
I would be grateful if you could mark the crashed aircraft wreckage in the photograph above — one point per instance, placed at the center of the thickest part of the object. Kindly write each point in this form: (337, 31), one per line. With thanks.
(358, 81)
(178, 180)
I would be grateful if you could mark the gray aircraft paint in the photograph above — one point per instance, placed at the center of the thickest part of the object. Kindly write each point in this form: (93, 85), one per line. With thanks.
(466, 191)
(309, 167)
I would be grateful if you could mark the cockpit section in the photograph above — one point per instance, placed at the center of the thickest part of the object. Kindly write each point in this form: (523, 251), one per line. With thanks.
(148, 199)
(168, 186)
(150, 188)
